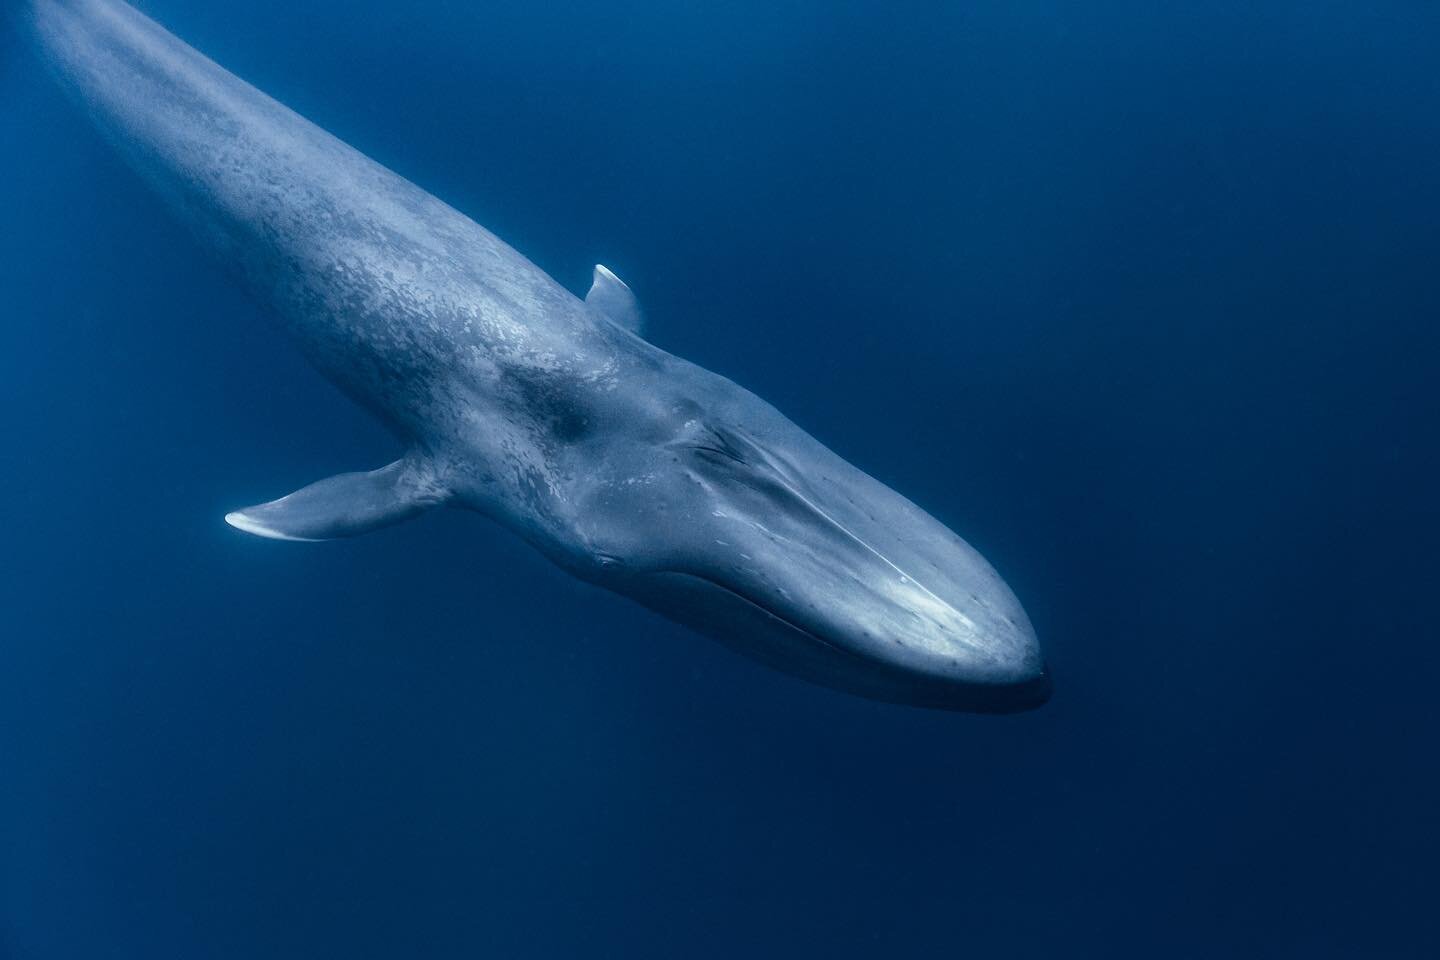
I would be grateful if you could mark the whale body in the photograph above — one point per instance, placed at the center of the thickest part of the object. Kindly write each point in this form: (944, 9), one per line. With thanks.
(629, 467)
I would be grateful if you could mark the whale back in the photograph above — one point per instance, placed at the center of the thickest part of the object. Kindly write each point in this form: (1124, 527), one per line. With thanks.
(381, 283)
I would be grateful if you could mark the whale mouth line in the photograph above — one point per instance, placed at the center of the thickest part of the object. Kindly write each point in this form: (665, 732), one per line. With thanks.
(752, 602)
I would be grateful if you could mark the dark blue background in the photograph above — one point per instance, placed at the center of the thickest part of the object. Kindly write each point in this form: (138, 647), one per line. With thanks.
(1140, 298)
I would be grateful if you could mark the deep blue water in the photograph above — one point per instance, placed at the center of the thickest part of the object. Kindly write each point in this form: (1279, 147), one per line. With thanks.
(1140, 298)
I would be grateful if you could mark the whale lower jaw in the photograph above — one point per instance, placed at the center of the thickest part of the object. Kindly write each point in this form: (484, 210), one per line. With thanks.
(740, 623)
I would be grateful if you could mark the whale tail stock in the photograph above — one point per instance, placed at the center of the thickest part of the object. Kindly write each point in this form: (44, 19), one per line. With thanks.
(347, 504)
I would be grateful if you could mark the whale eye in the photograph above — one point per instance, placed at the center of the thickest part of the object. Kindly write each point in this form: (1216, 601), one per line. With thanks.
(719, 444)
(728, 455)
(722, 446)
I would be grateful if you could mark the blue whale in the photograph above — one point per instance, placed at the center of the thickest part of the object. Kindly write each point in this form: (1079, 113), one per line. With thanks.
(629, 467)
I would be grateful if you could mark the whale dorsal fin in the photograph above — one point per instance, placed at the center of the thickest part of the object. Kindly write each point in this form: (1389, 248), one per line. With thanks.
(609, 294)
(347, 504)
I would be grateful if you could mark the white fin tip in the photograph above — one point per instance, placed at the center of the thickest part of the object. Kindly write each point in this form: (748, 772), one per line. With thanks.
(240, 521)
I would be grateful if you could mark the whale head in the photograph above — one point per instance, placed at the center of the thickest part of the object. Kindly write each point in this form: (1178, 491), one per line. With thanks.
(707, 505)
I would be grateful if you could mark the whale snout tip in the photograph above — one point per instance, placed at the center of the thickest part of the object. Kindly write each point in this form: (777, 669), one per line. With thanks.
(1003, 671)
(1026, 682)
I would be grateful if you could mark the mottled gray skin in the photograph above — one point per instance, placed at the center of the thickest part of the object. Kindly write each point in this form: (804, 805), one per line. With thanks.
(629, 467)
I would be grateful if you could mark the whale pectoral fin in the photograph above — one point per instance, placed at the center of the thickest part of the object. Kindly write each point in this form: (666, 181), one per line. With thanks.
(609, 295)
(346, 505)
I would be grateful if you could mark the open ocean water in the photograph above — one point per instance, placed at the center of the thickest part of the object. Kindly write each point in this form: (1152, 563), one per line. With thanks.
(1141, 299)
